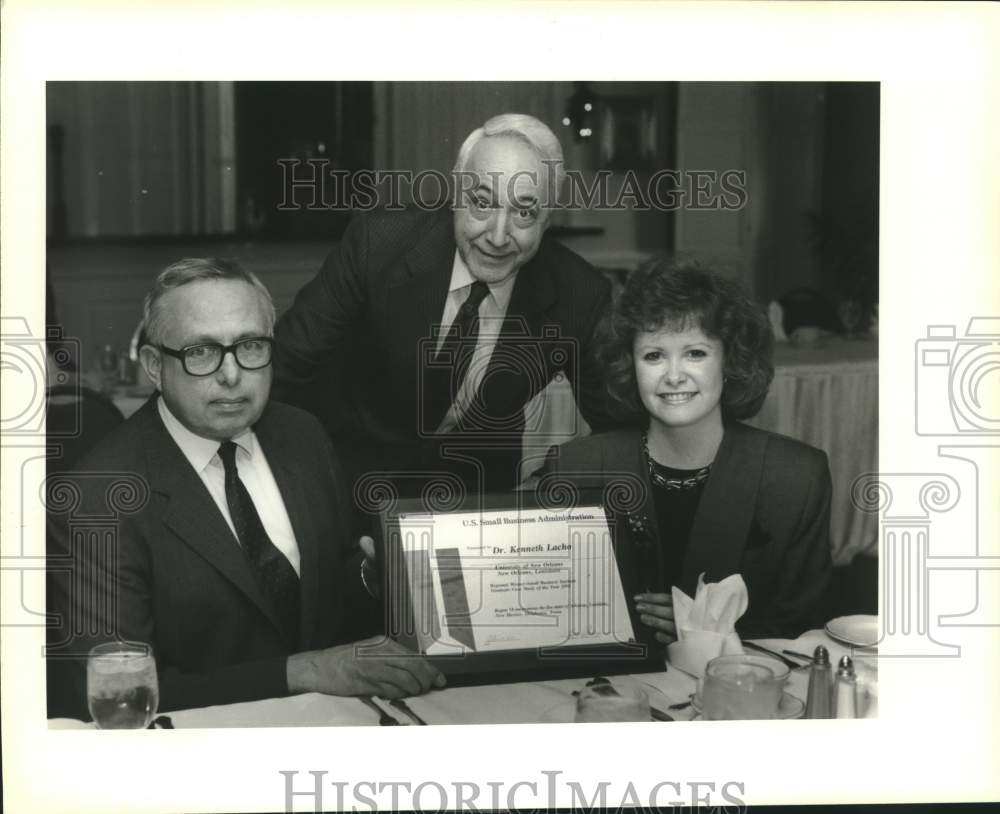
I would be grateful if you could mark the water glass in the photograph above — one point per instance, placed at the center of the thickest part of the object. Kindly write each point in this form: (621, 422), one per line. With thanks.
(122, 690)
(611, 702)
(740, 688)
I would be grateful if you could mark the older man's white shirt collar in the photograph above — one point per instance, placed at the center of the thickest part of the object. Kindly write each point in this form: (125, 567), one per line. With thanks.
(200, 451)
(461, 278)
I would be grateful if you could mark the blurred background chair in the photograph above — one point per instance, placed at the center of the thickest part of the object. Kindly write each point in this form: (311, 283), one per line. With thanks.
(806, 307)
(853, 588)
(78, 418)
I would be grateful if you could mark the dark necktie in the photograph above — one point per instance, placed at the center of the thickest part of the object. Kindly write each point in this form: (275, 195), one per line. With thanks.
(443, 382)
(464, 331)
(272, 570)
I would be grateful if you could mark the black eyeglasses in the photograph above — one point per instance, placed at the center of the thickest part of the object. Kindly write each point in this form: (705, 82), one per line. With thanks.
(204, 360)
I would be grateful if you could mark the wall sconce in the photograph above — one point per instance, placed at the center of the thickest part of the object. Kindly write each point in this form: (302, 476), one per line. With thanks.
(581, 112)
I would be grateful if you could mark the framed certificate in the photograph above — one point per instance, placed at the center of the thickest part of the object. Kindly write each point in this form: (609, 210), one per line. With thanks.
(501, 588)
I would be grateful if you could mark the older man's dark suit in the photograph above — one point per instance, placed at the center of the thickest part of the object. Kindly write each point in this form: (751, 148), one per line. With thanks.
(349, 349)
(764, 513)
(181, 582)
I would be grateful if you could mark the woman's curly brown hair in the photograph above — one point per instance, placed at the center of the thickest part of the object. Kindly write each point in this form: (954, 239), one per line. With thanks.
(677, 296)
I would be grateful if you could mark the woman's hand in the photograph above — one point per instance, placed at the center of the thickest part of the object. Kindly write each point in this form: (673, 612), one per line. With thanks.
(657, 611)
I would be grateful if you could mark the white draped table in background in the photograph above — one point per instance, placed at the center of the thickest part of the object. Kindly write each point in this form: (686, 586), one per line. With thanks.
(825, 395)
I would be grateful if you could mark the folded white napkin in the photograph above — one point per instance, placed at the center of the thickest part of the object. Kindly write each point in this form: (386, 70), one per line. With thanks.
(776, 314)
(710, 618)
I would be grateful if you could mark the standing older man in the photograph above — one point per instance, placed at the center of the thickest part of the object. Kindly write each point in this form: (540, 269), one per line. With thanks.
(234, 568)
(425, 334)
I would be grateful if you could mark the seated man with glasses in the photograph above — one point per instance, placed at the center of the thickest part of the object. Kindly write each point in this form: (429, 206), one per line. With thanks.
(231, 549)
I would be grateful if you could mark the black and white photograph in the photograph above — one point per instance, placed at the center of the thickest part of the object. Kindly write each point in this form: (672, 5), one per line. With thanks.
(395, 414)
(675, 319)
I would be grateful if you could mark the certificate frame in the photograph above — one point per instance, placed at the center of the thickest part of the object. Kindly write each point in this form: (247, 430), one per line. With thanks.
(639, 653)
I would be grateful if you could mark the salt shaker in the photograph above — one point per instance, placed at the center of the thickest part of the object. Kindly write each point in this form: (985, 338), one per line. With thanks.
(845, 690)
(871, 709)
(818, 699)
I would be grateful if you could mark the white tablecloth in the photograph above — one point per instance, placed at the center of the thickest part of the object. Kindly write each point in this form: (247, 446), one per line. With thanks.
(530, 702)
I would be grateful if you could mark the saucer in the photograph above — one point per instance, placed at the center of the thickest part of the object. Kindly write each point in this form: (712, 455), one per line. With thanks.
(789, 706)
(856, 631)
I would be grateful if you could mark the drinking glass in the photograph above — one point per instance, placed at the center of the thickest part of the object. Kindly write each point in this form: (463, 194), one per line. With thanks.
(611, 702)
(740, 688)
(122, 691)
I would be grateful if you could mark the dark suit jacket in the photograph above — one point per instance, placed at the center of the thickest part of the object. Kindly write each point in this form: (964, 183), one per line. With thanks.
(353, 346)
(764, 513)
(177, 578)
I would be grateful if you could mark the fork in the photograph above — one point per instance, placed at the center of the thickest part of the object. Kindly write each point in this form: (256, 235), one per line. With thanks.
(384, 718)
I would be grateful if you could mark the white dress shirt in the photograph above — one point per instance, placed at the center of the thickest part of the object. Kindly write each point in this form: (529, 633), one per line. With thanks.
(254, 471)
(492, 311)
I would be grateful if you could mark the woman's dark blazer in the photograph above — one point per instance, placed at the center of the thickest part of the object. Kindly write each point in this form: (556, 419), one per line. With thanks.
(764, 513)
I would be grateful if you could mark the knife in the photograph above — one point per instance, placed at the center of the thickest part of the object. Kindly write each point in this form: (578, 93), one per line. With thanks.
(659, 715)
(402, 706)
(793, 665)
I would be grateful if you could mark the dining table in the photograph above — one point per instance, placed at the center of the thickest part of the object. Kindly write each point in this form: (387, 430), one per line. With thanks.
(669, 691)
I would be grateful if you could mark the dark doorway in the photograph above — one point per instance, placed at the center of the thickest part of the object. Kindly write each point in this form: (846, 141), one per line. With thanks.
(314, 127)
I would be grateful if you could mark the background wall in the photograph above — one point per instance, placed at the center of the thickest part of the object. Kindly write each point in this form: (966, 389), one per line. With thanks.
(141, 174)
(141, 158)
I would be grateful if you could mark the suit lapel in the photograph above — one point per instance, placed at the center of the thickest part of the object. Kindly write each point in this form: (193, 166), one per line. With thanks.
(296, 496)
(191, 512)
(623, 453)
(418, 287)
(726, 509)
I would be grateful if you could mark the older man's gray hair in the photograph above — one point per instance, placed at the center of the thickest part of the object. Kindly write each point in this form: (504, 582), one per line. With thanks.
(527, 128)
(189, 270)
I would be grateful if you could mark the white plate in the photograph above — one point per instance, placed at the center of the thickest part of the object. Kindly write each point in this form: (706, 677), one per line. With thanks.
(856, 631)
(789, 707)
(565, 713)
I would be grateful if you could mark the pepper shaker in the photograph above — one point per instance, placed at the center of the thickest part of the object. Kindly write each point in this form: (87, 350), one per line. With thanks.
(820, 673)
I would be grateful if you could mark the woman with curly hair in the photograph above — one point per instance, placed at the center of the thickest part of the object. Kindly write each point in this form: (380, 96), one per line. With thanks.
(688, 356)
